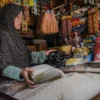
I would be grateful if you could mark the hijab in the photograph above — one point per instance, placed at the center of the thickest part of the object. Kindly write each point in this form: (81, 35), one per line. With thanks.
(12, 47)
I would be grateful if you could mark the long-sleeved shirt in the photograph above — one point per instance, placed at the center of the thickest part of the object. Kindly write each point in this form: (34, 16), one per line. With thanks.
(13, 72)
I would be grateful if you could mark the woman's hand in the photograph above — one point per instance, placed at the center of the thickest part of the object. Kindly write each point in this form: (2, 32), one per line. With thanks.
(25, 73)
(49, 51)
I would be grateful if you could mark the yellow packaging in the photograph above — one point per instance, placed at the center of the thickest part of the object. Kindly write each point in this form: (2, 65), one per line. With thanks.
(31, 2)
(73, 61)
(66, 17)
(24, 26)
(67, 49)
(2, 3)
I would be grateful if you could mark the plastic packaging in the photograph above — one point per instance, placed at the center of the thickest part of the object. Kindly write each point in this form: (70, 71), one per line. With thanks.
(97, 49)
(43, 73)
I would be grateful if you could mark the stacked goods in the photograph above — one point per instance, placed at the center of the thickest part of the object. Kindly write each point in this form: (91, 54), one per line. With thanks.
(93, 23)
(25, 19)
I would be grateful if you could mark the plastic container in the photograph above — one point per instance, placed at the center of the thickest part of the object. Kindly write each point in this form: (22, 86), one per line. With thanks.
(89, 57)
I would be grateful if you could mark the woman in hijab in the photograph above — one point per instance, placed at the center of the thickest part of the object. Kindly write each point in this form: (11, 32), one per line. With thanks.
(15, 59)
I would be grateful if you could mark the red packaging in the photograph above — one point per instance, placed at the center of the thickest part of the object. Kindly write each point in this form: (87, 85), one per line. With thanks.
(97, 49)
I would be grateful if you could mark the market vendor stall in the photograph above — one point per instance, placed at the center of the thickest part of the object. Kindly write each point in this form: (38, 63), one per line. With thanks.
(71, 71)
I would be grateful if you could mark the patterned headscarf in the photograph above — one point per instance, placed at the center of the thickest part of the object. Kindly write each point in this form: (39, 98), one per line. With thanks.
(12, 47)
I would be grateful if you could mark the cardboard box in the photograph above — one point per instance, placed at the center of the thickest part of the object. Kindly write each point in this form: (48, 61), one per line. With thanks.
(31, 47)
(41, 47)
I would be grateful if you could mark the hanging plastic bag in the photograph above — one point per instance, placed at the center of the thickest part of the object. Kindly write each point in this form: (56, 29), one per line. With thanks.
(47, 24)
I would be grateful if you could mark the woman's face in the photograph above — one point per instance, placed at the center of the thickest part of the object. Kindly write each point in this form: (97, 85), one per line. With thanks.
(18, 21)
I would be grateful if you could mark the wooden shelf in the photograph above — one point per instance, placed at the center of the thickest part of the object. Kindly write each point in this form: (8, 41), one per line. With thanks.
(79, 4)
(59, 6)
(27, 35)
(55, 3)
